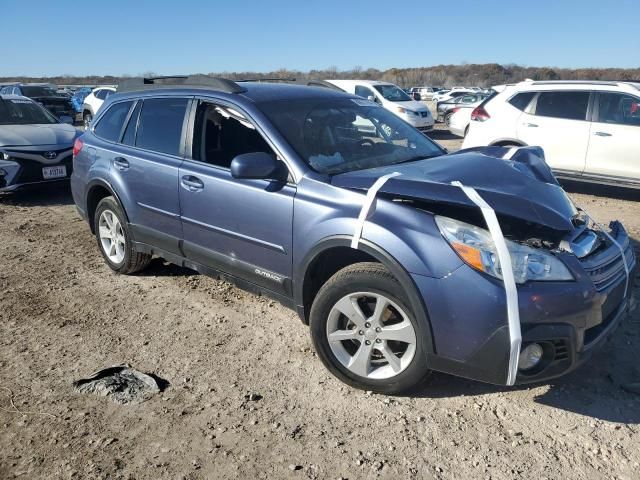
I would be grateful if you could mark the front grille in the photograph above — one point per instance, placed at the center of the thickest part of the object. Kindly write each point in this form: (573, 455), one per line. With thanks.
(31, 170)
(606, 269)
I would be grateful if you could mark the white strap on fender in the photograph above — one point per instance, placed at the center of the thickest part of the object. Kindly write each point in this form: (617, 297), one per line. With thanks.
(366, 206)
(624, 257)
(513, 311)
(510, 153)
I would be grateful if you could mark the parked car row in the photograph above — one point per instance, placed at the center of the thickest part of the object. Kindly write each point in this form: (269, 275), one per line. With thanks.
(45, 94)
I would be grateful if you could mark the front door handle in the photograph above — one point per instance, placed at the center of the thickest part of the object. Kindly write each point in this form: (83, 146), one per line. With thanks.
(120, 163)
(191, 183)
(531, 125)
(602, 134)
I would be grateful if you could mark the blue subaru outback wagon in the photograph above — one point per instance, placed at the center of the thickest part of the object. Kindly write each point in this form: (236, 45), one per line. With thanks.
(389, 248)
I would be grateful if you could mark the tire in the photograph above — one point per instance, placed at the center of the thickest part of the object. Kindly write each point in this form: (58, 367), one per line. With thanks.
(447, 119)
(87, 117)
(123, 257)
(368, 284)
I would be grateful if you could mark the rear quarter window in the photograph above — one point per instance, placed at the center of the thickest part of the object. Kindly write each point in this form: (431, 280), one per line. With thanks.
(110, 124)
(521, 100)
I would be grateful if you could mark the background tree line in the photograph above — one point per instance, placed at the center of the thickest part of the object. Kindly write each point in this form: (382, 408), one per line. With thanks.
(482, 75)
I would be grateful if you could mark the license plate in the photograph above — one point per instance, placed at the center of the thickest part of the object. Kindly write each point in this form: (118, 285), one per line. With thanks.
(59, 171)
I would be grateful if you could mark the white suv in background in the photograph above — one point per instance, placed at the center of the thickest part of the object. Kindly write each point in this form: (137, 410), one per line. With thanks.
(391, 97)
(93, 102)
(589, 131)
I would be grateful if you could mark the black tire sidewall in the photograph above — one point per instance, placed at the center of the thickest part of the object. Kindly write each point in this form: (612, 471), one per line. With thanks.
(109, 203)
(361, 282)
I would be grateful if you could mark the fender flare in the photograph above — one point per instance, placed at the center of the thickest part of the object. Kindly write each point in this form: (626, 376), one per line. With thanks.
(99, 182)
(415, 299)
(86, 106)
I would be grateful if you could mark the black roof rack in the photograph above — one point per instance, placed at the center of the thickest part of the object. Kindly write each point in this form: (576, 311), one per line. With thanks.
(198, 81)
(289, 79)
(308, 83)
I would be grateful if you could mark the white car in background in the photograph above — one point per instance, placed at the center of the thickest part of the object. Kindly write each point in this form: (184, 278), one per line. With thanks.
(93, 102)
(589, 130)
(458, 121)
(391, 97)
(448, 95)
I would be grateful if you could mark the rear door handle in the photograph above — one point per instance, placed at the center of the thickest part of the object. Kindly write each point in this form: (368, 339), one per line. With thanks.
(531, 125)
(120, 163)
(602, 134)
(191, 183)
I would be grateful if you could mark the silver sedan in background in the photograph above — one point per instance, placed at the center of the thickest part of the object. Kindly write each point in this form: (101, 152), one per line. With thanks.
(35, 146)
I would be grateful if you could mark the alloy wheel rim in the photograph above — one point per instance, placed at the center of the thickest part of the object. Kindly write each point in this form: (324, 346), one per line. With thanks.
(111, 236)
(371, 335)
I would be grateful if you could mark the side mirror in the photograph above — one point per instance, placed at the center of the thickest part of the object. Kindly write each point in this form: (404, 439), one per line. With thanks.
(66, 119)
(371, 98)
(417, 96)
(257, 165)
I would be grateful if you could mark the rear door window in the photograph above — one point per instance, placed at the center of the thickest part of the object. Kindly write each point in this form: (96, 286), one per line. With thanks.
(567, 105)
(618, 109)
(160, 125)
(110, 124)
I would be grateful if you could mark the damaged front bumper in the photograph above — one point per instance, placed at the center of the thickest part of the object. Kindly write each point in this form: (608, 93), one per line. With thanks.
(569, 320)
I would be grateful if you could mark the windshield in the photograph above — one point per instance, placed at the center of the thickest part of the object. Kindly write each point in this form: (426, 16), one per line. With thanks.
(23, 112)
(337, 135)
(30, 91)
(392, 93)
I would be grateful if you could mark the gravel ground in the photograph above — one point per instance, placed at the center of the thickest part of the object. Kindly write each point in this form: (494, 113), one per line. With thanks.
(247, 397)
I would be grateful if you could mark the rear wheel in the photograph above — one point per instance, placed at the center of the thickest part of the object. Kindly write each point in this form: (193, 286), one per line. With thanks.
(447, 119)
(114, 239)
(365, 332)
(86, 120)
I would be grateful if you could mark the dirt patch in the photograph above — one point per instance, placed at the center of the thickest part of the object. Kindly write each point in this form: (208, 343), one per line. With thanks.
(247, 397)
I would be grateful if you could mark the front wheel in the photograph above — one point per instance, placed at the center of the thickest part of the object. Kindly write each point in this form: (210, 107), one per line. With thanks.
(365, 332)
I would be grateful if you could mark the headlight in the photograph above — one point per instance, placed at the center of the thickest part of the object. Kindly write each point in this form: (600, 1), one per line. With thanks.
(475, 246)
(405, 111)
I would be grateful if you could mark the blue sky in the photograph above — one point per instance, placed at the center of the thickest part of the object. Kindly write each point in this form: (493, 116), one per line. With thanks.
(43, 37)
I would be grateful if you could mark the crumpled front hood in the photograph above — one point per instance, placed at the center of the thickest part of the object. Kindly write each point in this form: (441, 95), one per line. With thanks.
(522, 187)
(33, 135)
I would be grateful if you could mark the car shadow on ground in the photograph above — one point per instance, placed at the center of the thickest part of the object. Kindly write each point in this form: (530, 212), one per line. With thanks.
(618, 193)
(39, 196)
(442, 135)
(161, 268)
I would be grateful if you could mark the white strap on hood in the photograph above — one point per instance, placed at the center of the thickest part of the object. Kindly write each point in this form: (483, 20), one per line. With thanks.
(366, 206)
(513, 311)
(510, 153)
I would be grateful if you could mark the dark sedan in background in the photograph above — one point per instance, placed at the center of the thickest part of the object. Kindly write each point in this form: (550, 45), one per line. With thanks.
(35, 146)
(44, 94)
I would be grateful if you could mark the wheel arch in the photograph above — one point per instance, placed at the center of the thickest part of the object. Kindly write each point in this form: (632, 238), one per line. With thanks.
(98, 189)
(505, 142)
(339, 250)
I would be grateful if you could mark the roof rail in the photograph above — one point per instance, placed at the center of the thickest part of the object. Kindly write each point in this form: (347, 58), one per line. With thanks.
(198, 81)
(308, 83)
(292, 79)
